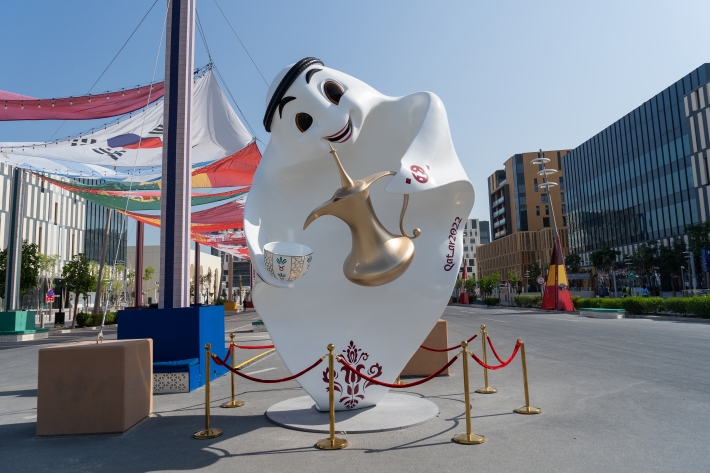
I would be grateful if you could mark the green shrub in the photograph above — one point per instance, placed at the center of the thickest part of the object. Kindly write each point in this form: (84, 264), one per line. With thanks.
(491, 301)
(86, 319)
(587, 303)
(633, 305)
(610, 303)
(525, 300)
(679, 305)
(699, 306)
(642, 305)
(219, 301)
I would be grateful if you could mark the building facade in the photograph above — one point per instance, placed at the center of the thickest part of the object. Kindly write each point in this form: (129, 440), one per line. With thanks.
(516, 202)
(523, 215)
(475, 232)
(641, 178)
(240, 269)
(96, 227)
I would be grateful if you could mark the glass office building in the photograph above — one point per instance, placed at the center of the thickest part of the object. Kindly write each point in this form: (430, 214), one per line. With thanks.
(94, 232)
(634, 181)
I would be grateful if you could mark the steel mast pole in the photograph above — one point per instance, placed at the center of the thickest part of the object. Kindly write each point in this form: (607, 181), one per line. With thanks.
(176, 176)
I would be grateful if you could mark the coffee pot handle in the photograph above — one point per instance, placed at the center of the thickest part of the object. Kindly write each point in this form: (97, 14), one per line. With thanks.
(416, 232)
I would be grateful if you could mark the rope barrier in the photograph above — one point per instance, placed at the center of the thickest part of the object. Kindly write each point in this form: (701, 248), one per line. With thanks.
(447, 349)
(397, 386)
(503, 363)
(254, 347)
(493, 349)
(229, 352)
(267, 381)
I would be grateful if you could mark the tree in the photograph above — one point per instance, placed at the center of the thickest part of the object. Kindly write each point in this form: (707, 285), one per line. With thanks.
(148, 273)
(79, 278)
(573, 263)
(514, 279)
(644, 259)
(535, 270)
(29, 268)
(699, 238)
(671, 259)
(470, 284)
(487, 283)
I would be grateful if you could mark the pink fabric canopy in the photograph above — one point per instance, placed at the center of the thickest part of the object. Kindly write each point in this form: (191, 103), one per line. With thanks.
(110, 104)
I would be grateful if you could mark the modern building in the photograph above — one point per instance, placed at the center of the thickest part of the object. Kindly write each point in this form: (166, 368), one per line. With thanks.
(95, 230)
(522, 217)
(209, 264)
(516, 203)
(645, 176)
(519, 253)
(240, 269)
(475, 232)
(54, 219)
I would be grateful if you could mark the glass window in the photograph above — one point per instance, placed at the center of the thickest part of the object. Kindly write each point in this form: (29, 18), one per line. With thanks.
(547, 210)
(546, 221)
(537, 210)
(535, 182)
(545, 198)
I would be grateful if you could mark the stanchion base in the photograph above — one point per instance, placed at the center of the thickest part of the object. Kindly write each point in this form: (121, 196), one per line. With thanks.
(207, 434)
(234, 403)
(465, 439)
(488, 390)
(528, 410)
(336, 444)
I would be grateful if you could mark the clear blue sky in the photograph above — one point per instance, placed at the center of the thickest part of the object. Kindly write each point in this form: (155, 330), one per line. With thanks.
(515, 76)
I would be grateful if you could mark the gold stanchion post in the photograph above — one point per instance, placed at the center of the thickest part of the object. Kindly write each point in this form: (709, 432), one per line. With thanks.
(208, 432)
(398, 380)
(332, 442)
(467, 438)
(232, 402)
(527, 408)
(485, 389)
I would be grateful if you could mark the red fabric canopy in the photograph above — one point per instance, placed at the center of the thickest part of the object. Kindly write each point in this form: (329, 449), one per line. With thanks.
(110, 104)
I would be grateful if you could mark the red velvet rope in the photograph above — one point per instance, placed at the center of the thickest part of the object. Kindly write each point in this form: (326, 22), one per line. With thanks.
(503, 363)
(493, 349)
(254, 347)
(229, 352)
(268, 381)
(447, 349)
(397, 386)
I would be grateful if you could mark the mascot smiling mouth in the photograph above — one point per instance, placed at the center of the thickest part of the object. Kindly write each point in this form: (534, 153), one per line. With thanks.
(343, 135)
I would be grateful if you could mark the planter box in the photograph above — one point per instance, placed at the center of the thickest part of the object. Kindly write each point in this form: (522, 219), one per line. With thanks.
(425, 362)
(89, 388)
(603, 313)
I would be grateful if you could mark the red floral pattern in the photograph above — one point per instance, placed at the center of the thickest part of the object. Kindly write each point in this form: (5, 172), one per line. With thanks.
(354, 387)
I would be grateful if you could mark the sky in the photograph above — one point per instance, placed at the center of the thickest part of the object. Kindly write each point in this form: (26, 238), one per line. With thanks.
(515, 76)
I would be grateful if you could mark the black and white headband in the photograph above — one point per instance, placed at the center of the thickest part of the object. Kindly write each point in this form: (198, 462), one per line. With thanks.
(284, 85)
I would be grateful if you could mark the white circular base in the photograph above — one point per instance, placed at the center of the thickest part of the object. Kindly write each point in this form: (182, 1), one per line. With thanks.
(394, 411)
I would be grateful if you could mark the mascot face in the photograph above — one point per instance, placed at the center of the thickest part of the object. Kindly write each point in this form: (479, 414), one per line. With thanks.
(323, 106)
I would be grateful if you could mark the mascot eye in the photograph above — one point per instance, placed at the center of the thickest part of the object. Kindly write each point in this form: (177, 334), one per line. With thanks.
(303, 121)
(333, 91)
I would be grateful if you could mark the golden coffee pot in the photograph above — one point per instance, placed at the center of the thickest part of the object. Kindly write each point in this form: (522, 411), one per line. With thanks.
(377, 256)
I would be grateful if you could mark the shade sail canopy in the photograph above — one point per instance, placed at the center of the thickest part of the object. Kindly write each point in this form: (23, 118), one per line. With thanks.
(109, 104)
(136, 143)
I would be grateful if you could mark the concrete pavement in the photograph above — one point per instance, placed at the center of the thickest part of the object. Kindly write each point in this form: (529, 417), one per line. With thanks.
(629, 395)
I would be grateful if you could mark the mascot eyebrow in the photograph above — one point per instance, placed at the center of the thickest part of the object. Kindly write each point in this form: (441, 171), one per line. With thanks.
(283, 102)
(310, 73)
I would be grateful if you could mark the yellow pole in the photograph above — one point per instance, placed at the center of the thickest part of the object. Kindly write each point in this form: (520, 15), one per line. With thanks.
(467, 438)
(332, 442)
(527, 408)
(232, 402)
(207, 433)
(486, 389)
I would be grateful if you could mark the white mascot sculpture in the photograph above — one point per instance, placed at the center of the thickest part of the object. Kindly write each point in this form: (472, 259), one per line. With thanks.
(374, 292)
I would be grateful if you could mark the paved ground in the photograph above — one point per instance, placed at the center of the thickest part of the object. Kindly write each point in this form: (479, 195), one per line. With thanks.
(617, 395)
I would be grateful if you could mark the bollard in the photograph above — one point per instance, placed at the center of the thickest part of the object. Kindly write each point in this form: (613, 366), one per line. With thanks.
(467, 438)
(207, 433)
(486, 389)
(332, 442)
(232, 402)
(527, 408)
